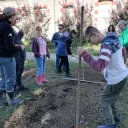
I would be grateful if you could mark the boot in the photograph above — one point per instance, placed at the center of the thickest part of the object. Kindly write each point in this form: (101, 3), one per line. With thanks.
(11, 100)
(22, 88)
(38, 80)
(1, 98)
(43, 78)
(107, 126)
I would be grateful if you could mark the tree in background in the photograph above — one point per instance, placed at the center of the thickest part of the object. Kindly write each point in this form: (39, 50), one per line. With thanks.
(71, 15)
(120, 13)
(30, 17)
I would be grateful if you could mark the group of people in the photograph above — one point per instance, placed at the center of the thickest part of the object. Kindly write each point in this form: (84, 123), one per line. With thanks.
(111, 61)
(13, 56)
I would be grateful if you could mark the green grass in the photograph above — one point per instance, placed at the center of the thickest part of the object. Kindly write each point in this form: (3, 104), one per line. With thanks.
(94, 50)
(30, 68)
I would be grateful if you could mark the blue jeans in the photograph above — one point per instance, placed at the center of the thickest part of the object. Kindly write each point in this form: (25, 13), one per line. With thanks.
(41, 65)
(8, 74)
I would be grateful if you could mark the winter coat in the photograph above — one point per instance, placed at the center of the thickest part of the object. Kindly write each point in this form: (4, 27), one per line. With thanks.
(7, 47)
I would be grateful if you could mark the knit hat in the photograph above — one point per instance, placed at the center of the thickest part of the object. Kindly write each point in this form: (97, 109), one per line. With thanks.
(123, 22)
(9, 11)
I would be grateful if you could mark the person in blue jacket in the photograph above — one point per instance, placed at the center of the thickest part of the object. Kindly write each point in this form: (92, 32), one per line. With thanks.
(62, 51)
(55, 40)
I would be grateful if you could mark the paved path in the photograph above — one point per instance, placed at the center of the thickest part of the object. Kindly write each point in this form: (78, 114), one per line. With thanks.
(52, 57)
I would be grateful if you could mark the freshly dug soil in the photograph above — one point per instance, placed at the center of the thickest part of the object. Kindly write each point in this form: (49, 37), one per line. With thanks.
(55, 107)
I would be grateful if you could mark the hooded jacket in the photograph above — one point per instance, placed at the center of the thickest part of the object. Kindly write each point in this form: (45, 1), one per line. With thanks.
(7, 47)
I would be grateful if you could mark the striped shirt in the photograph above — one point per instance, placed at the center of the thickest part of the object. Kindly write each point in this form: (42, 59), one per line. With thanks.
(99, 64)
(112, 64)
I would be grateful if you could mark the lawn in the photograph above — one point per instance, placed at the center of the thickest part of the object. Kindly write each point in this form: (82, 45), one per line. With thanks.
(94, 50)
(29, 81)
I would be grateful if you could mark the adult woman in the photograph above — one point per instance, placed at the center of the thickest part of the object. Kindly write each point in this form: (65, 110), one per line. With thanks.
(40, 50)
(111, 31)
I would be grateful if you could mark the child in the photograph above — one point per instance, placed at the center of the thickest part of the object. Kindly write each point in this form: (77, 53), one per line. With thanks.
(112, 64)
(40, 50)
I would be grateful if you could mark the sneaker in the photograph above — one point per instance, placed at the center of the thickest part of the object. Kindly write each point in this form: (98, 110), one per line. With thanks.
(107, 126)
(117, 119)
(15, 102)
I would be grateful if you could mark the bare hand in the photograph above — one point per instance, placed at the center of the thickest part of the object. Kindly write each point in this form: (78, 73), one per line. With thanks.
(22, 47)
(80, 50)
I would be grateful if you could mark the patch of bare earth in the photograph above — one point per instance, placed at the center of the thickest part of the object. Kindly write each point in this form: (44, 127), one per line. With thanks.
(56, 106)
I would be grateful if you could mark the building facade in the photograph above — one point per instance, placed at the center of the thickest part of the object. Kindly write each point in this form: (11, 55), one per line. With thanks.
(101, 11)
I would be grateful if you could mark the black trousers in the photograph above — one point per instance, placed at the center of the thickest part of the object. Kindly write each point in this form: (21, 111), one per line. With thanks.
(64, 60)
(19, 71)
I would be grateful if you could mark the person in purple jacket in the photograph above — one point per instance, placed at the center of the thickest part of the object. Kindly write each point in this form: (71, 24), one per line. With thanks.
(111, 63)
(40, 50)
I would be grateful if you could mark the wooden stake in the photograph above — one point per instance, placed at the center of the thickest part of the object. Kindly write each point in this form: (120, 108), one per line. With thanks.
(86, 81)
(78, 87)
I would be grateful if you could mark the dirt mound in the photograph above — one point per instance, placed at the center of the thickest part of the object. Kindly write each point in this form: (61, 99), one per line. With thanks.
(55, 107)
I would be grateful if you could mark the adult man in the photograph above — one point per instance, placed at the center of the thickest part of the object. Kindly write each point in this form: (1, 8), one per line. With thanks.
(7, 53)
(124, 34)
(55, 40)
